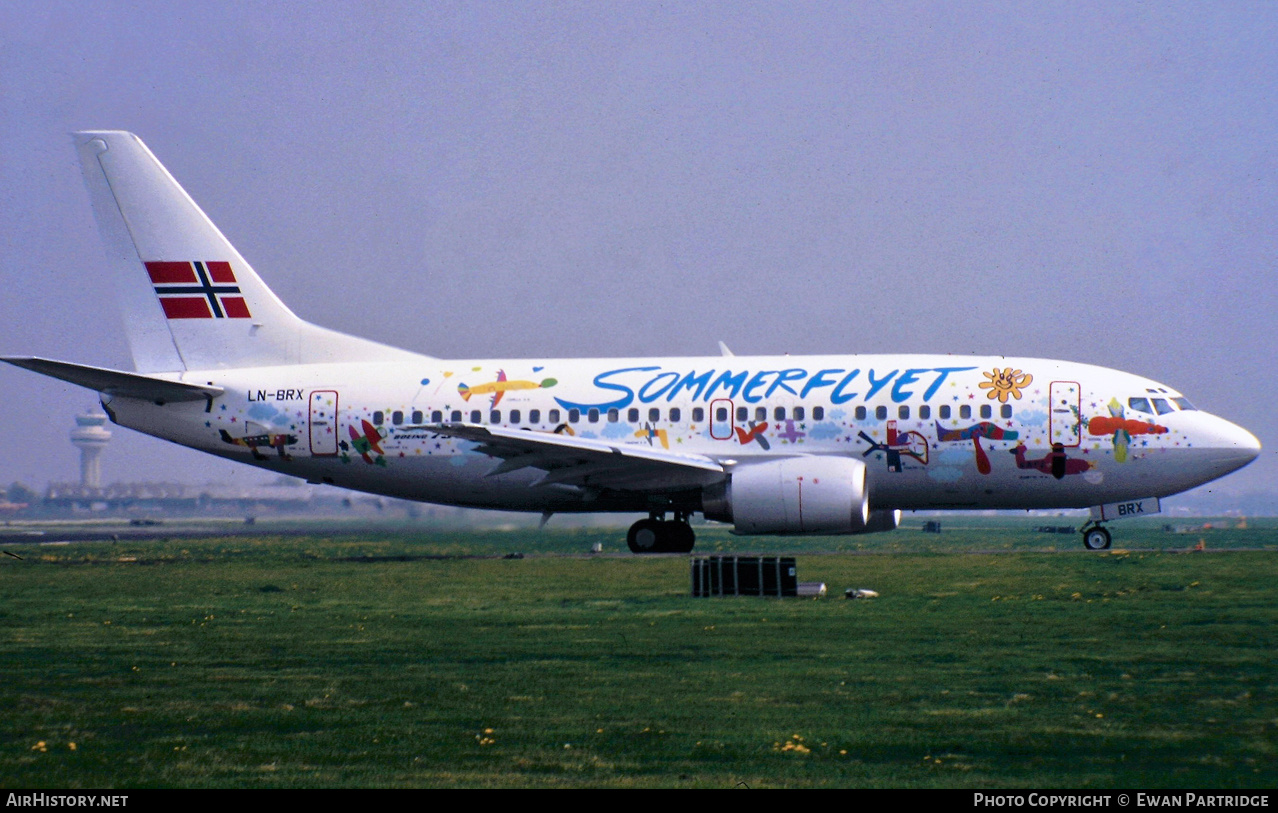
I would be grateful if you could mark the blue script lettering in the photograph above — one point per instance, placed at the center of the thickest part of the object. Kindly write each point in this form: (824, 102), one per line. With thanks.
(877, 384)
(839, 396)
(600, 382)
(648, 384)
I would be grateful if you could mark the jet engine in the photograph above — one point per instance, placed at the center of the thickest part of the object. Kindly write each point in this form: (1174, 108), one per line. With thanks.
(797, 495)
(882, 520)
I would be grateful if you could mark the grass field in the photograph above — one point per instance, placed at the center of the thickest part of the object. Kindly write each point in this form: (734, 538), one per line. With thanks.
(354, 660)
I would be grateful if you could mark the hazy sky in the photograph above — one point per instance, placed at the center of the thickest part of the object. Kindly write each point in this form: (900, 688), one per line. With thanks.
(1088, 181)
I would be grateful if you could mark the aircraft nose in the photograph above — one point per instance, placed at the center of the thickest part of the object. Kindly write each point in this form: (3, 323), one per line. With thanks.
(1235, 446)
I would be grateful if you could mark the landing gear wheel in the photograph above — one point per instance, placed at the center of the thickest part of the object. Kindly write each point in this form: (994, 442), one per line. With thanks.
(681, 537)
(645, 536)
(1096, 539)
(658, 536)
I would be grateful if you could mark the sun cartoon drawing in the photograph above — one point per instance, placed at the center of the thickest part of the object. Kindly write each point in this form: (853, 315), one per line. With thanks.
(1005, 382)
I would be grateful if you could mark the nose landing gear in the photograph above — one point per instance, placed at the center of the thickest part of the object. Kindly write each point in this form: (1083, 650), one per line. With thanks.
(1096, 537)
(657, 535)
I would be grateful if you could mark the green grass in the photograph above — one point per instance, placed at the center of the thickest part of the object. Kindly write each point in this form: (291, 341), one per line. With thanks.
(354, 661)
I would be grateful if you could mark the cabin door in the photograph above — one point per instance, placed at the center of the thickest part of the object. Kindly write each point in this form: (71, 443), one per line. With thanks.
(323, 423)
(1064, 413)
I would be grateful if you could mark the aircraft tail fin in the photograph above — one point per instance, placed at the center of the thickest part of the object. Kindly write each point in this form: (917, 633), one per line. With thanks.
(190, 300)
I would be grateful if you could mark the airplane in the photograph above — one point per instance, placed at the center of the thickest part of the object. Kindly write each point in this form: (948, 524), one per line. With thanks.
(777, 445)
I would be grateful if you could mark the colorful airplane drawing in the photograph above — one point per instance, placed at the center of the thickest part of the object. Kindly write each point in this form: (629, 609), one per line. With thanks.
(974, 433)
(754, 434)
(1121, 428)
(649, 433)
(501, 386)
(278, 442)
(897, 443)
(790, 434)
(369, 440)
(1055, 462)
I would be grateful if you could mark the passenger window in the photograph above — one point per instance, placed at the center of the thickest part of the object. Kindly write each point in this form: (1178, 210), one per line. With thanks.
(986, 411)
(455, 417)
(675, 415)
(397, 417)
(632, 415)
(880, 412)
(925, 412)
(945, 412)
(721, 414)
(417, 416)
(1162, 406)
(654, 415)
(534, 416)
(514, 416)
(574, 415)
(778, 414)
(593, 416)
(798, 413)
(1005, 410)
(437, 417)
(698, 414)
(494, 416)
(553, 416)
(1140, 405)
(743, 414)
(818, 413)
(378, 416)
(903, 412)
(965, 412)
(476, 416)
(1184, 404)
(860, 413)
(614, 415)
(760, 414)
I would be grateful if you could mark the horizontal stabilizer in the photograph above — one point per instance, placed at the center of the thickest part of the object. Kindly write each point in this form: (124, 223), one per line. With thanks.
(116, 382)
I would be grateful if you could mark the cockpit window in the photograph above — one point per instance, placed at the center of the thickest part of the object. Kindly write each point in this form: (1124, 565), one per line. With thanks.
(1184, 404)
(1140, 405)
(1162, 406)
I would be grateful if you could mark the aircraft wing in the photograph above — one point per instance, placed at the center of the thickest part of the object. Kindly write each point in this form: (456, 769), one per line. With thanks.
(116, 382)
(595, 463)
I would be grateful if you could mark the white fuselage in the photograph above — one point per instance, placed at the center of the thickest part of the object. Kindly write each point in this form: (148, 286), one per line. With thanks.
(935, 432)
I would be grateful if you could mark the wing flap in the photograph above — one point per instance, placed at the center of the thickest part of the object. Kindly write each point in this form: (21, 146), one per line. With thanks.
(570, 460)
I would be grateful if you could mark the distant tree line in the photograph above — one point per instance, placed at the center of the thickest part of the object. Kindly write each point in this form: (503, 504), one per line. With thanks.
(20, 493)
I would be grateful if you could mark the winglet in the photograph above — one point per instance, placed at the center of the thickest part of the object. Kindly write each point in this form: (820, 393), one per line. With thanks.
(723, 348)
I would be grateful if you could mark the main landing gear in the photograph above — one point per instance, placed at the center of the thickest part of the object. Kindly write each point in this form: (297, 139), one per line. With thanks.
(1096, 537)
(658, 535)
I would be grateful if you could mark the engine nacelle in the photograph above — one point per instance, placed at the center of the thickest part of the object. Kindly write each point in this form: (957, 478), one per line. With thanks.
(794, 495)
(882, 521)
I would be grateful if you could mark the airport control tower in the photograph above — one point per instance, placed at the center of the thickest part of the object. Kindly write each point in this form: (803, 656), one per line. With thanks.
(91, 437)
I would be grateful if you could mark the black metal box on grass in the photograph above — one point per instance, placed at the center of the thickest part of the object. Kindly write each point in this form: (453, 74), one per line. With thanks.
(744, 576)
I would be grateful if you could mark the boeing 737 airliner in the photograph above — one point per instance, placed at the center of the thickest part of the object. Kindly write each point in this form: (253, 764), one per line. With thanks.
(770, 444)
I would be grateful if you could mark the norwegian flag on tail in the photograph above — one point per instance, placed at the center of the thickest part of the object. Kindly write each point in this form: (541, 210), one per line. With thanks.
(197, 290)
